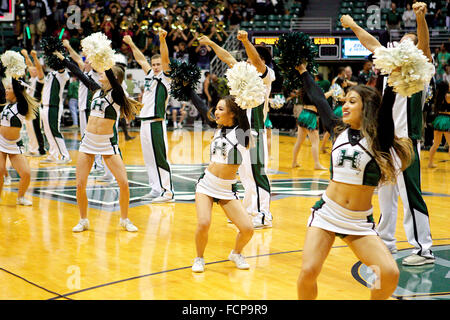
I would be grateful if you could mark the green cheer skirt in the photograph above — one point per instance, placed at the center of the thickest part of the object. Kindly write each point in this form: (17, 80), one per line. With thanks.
(442, 122)
(308, 119)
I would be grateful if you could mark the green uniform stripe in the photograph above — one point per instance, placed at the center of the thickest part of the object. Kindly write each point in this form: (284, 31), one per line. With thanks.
(54, 92)
(257, 160)
(159, 147)
(257, 121)
(415, 121)
(160, 100)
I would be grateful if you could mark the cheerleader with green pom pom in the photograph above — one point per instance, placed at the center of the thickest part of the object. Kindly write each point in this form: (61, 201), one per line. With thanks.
(441, 123)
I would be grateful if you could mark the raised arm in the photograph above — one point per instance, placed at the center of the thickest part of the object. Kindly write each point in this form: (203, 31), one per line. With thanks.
(252, 54)
(366, 39)
(423, 35)
(27, 58)
(317, 97)
(223, 54)
(37, 64)
(202, 107)
(73, 54)
(138, 55)
(73, 67)
(164, 51)
(386, 131)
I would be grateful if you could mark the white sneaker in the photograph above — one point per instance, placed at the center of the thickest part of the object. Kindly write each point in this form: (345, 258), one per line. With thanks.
(198, 265)
(260, 222)
(162, 200)
(7, 181)
(24, 201)
(49, 159)
(239, 260)
(127, 225)
(82, 225)
(150, 196)
(416, 260)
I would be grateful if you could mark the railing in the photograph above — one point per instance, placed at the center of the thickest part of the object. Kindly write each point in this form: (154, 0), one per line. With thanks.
(232, 45)
(437, 36)
(308, 24)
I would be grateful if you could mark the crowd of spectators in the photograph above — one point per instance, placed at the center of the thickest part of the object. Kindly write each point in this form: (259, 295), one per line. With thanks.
(184, 20)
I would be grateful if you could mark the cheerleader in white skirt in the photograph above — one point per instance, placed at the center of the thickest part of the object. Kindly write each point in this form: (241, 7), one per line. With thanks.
(360, 159)
(100, 137)
(218, 182)
(16, 106)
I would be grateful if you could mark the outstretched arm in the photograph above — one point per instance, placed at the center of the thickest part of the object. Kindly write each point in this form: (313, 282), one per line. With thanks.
(252, 54)
(366, 39)
(317, 97)
(138, 55)
(223, 54)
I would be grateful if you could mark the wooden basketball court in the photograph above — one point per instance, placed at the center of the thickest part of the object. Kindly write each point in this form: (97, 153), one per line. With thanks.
(41, 258)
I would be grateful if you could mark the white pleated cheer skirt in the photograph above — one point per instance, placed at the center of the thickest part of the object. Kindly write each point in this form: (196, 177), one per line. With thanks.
(328, 215)
(217, 188)
(98, 144)
(10, 146)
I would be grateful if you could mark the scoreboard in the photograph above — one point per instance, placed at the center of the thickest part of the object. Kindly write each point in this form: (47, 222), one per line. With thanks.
(331, 48)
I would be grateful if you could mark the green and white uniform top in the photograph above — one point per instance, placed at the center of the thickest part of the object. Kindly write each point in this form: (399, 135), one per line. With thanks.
(256, 116)
(155, 96)
(407, 114)
(103, 106)
(352, 162)
(225, 147)
(10, 116)
(54, 83)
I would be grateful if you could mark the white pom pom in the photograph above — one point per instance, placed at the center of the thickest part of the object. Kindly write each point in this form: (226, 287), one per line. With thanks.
(408, 68)
(246, 85)
(97, 49)
(14, 63)
(277, 102)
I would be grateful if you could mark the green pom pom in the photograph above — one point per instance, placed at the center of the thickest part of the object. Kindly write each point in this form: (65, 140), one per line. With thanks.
(185, 77)
(294, 49)
(50, 45)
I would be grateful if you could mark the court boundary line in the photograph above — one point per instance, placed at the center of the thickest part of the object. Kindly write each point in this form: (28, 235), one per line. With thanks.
(34, 284)
(208, 263)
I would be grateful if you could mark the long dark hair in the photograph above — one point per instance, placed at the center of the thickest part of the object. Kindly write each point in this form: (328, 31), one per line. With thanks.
(441, 92)
(371, 103)
(240, 119)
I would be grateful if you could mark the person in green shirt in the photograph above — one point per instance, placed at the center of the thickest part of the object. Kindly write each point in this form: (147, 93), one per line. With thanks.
(72, 96)
(442, 59)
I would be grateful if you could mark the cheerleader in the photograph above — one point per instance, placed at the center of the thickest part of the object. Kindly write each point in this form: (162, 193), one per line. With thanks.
(218, 182)
(17, 106)
(307, 124)
(360, 159)
(441, 123)
(100, 137)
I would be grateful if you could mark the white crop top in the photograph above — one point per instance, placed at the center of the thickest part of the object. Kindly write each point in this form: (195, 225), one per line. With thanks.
(103, 106)
(351, 162)
(10, 116)
(225, 147)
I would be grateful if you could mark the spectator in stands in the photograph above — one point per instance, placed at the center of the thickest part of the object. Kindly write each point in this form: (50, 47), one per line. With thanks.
(351, 79)
(210, 89)
(447, 18)
(409, 18)
(180, 52)
(446, 76)
(393, 18)
(36, 11)
(442, 59)
(366, 74)
(322, 83)
(130, 85)
(203, 56)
